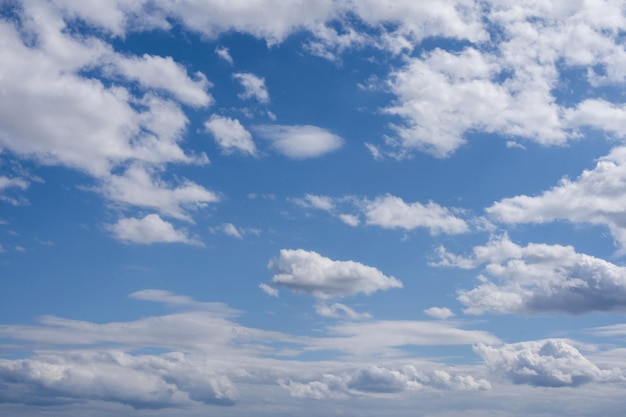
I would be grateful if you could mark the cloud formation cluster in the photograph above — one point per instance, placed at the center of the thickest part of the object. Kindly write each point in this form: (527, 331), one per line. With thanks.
(538, 278)
(544, 363)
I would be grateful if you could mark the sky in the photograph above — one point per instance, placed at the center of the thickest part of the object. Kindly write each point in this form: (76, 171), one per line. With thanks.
(304, 208)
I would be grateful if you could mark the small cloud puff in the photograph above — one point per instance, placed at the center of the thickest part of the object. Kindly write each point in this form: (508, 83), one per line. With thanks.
(313, 274)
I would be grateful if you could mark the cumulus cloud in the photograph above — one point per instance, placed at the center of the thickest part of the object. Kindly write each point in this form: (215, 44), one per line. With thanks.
(163, 73)
(313, 274)
(230, 135)
(254, 87)
(392, 212)
(539, 278)
(300, 141)
(149, 229)
(597, 196)
(114, 126)
(512, 88)
(544, 363)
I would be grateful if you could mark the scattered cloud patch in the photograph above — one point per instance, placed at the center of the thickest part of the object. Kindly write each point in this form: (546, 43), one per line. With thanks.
(441, 313)
(271, 291)
(391, 212)
(300, 141)
(230, 135)
(596, 197)
(310, 273)
(254, 87)
(231, 230)
(138, 186)
(338, 310)
(224, 53)
(539, 278)
(149, 229)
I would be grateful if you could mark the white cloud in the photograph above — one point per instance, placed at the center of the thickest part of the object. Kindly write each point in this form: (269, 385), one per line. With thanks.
(350, 219)
(139, 187)
(271, 291)
(512, 87)
(223, 53)
(338, 310)
(230, 135)
(254, 87)
(544, 363)
(148, 230)
(441, 313)
(376, 380)
(173, 299)
(320, 202)
(458, 19)
(392, 212)
(231, 230)
(313, 274)
(597, 196)
(113, 127)
(163, 73)
(369, 339)
(142, 381)
(539, 278)
(221, 357)
(389, 212)
(7, 182)
(300, 141)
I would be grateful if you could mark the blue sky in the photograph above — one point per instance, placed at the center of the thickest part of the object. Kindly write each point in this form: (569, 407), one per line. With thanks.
(283, 208)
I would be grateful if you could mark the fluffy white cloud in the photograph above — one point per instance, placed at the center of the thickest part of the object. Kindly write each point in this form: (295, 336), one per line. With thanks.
(597, 196)
(442, 95)
(254, 87)
(150, 229)
(389, 212)
(230, 135)
(392, 212)
(139, 187)
(313, 274)
(162, 73)
(441, 313)
(300, 142)
(545, 363)
(539, 278)
(512, 87)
